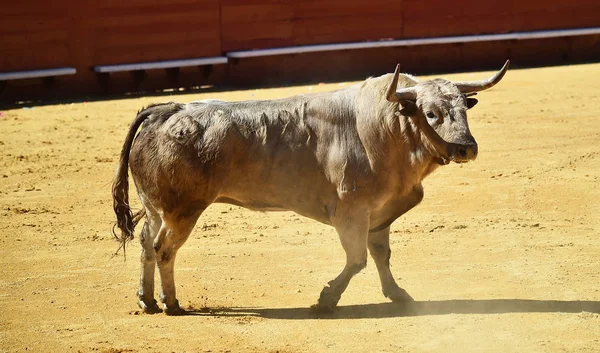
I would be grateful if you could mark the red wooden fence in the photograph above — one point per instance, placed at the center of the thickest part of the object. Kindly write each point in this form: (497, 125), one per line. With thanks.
(36, 34)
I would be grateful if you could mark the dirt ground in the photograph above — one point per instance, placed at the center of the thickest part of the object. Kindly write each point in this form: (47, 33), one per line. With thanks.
(503, 254)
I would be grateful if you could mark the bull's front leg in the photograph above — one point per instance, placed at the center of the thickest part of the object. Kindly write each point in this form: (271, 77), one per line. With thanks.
(379, 247)
(352, 227)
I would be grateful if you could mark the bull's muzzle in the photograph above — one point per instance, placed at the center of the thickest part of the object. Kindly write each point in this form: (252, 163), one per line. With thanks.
(465, 153)
(461, 152)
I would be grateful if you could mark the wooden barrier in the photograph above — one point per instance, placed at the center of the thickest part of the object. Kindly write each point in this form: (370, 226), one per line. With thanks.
(263, 24)
(38, 36)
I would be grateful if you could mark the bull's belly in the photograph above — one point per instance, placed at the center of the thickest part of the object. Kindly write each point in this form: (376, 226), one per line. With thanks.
(313, 210)
(254, 206)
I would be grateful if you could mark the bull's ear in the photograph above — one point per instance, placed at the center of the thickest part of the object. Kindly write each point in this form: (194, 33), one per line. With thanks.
(409, 108)
(471, 102)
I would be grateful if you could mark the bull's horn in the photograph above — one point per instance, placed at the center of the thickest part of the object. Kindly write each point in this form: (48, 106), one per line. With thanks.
(403, 94)
(475, 86)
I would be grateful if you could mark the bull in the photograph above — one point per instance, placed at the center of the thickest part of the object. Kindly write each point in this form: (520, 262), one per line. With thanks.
(352, 158)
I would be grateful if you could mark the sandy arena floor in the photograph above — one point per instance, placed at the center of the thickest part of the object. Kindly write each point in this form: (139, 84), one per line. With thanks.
(503, 254)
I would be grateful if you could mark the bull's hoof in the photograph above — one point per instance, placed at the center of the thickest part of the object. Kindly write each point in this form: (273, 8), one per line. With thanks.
(174, 310)
(322, 309)
(398, 295)
(328, 300)
(149, 307)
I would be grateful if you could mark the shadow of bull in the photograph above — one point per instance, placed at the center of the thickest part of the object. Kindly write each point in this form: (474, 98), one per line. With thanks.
(417, 308)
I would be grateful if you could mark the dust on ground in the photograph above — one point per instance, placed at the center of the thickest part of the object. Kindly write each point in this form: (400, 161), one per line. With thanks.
(503, 254)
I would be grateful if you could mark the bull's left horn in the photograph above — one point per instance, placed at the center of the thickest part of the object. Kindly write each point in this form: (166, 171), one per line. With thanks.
(475, 86)
(404, 94)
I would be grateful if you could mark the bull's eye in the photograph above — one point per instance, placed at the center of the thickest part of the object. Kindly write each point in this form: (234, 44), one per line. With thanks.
(431, 116)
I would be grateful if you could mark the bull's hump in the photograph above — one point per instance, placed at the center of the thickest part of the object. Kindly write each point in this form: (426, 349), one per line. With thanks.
(205, 101)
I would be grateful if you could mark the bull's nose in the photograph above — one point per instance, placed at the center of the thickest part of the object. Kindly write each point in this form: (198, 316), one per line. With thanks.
(468, 152)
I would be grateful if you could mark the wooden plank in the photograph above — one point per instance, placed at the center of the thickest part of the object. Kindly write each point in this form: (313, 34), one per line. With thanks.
(255, 13)
(144, 37)
(14, 24)
(154, 65)
(261, 24)
(420, 42)
(540, 6)
(451, 26)
(80, 41)
(200, 42)
(153, 49)
(20, 75)
(457, 8)
(33, 8)
(140, 34)
(27, 40)
(256, 35)
(252, 2)
(556, 14)
(22, 59)
(202, 11)
(255, 25)
(304, 9)
(346, 21)
(112, 5)
(346, 29)
(460, 17)
(51, 49)
(556, 20)
(29, 24)
(157, 22)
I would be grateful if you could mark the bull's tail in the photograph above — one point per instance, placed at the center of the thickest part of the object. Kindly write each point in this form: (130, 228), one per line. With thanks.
(126, 220)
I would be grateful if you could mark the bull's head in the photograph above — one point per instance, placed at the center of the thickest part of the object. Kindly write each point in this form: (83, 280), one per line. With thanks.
(439, 109)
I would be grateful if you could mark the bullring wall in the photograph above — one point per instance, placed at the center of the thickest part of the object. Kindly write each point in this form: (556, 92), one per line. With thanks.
(85, 34)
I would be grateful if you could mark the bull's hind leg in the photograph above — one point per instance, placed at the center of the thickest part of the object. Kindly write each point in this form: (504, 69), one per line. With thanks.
(352, 227)
(174, 232)
(150, 231)
(379, 247)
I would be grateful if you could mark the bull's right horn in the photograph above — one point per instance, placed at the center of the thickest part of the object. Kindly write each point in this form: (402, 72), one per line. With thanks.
(475, 86)
(404, 94)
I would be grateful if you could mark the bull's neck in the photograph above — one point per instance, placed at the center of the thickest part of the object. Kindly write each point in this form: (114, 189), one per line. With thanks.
(396, 148)
(415, 148)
